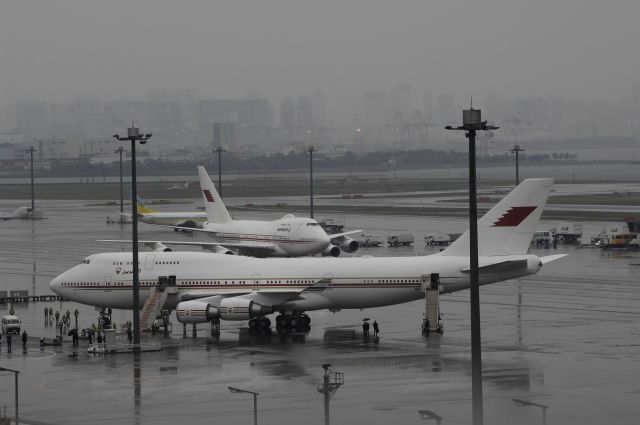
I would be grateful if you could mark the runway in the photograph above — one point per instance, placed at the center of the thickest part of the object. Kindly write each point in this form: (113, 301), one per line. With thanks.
(567, 338)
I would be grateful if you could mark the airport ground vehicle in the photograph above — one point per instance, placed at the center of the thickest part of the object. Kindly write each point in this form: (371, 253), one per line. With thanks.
(437, 239)
(403, 239)
(10, 324)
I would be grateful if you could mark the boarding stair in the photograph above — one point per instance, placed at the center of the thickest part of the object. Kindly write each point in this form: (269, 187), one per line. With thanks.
(430, 284)
(152, 307)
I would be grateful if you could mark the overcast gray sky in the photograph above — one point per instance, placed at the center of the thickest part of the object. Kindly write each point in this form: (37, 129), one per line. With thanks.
(65, 49)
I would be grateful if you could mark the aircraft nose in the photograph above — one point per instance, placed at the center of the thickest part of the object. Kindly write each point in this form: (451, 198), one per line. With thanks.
(56, 285)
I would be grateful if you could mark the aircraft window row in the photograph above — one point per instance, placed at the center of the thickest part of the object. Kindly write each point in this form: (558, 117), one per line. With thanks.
(291, 281)
(167, 262)
(313, 224)
(398, 281)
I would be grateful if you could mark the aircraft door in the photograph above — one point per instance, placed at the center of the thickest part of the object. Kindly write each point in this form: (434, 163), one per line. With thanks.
(148, 261)
(107, 283)
(255, 282)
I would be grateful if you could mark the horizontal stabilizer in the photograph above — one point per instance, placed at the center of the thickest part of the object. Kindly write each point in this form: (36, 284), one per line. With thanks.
(501, 267)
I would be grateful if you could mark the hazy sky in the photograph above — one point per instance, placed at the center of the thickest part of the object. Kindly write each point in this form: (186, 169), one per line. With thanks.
(57, 50)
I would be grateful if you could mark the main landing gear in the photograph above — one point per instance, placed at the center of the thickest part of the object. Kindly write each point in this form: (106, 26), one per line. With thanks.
(292, 323)
(286, 323)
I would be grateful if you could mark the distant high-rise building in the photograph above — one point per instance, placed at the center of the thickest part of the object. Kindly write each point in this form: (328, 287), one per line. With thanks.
(252, 117)
(401, 101)
(428, 105)
(288, 118)
(375, 108)
(444, 109)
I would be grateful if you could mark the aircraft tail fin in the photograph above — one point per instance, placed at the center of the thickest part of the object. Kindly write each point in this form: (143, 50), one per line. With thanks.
(508, 227)
(216, 211)
(141, 208)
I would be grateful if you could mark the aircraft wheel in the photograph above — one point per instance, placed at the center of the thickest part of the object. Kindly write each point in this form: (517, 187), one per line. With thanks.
(252, 324)
(294, 321)
(280, 320)
(306, 320)
(267, 322)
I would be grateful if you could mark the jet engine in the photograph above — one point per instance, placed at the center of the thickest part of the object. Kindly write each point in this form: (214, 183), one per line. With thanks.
(236, 308)
(219, 249)
(160, 247)
(331, 250)
(349, 245)
(196, 311)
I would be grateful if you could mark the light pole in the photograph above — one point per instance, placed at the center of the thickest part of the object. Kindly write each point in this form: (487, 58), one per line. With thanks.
(471, 123)
(517, 149)
(544, 408)
(255, 401)
(330, 383)
(133, 135)
(119, 151)
(311, 150)
(219, 151)
(16, 372)
(31, 150)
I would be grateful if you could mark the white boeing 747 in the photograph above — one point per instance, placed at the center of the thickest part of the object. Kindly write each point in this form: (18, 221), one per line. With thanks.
(211, 286)
(288, 236)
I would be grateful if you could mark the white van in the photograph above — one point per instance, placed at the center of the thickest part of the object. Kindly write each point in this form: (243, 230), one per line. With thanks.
(10, 324)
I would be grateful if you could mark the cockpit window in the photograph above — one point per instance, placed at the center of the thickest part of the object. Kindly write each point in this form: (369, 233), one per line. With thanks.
(85, 261)
(313, 224)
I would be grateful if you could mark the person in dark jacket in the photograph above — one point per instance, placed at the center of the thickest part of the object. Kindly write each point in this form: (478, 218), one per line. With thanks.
(376, 329)
(24, 340)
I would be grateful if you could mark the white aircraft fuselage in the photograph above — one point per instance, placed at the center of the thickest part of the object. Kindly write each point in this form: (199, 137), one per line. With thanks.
(105, 280)
(290, 236)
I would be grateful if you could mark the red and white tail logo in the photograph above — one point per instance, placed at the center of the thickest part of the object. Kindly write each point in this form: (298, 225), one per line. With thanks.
(507, 228)
(213, 205)
(514, 216)
(208, 196)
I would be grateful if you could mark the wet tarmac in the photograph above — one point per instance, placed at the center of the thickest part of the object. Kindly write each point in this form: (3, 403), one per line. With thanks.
(567, 338)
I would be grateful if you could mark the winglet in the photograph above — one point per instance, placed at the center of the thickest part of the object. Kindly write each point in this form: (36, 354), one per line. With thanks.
(216, 211)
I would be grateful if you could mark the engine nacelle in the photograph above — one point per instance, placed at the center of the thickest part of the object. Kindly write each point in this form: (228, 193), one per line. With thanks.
(331, 250)
(236, 308)
(196, 311)
(349, 245)
(219, 249)
(160, 247)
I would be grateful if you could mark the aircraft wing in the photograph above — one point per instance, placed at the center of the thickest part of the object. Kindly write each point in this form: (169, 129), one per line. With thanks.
(259, 247)
(266, 296)
(343, 234)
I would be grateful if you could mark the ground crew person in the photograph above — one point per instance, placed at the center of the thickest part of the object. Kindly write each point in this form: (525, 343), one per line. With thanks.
(376, 329)
(8, 343)
(129, 335)
(57, 316)
(50, 314)
(365, 329)
(90, 337)
(24, 340)
(46, 315)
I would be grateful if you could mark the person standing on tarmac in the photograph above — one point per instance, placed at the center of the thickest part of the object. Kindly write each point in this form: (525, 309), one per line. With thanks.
(376, 329)
(24, 340)
(8, 343)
